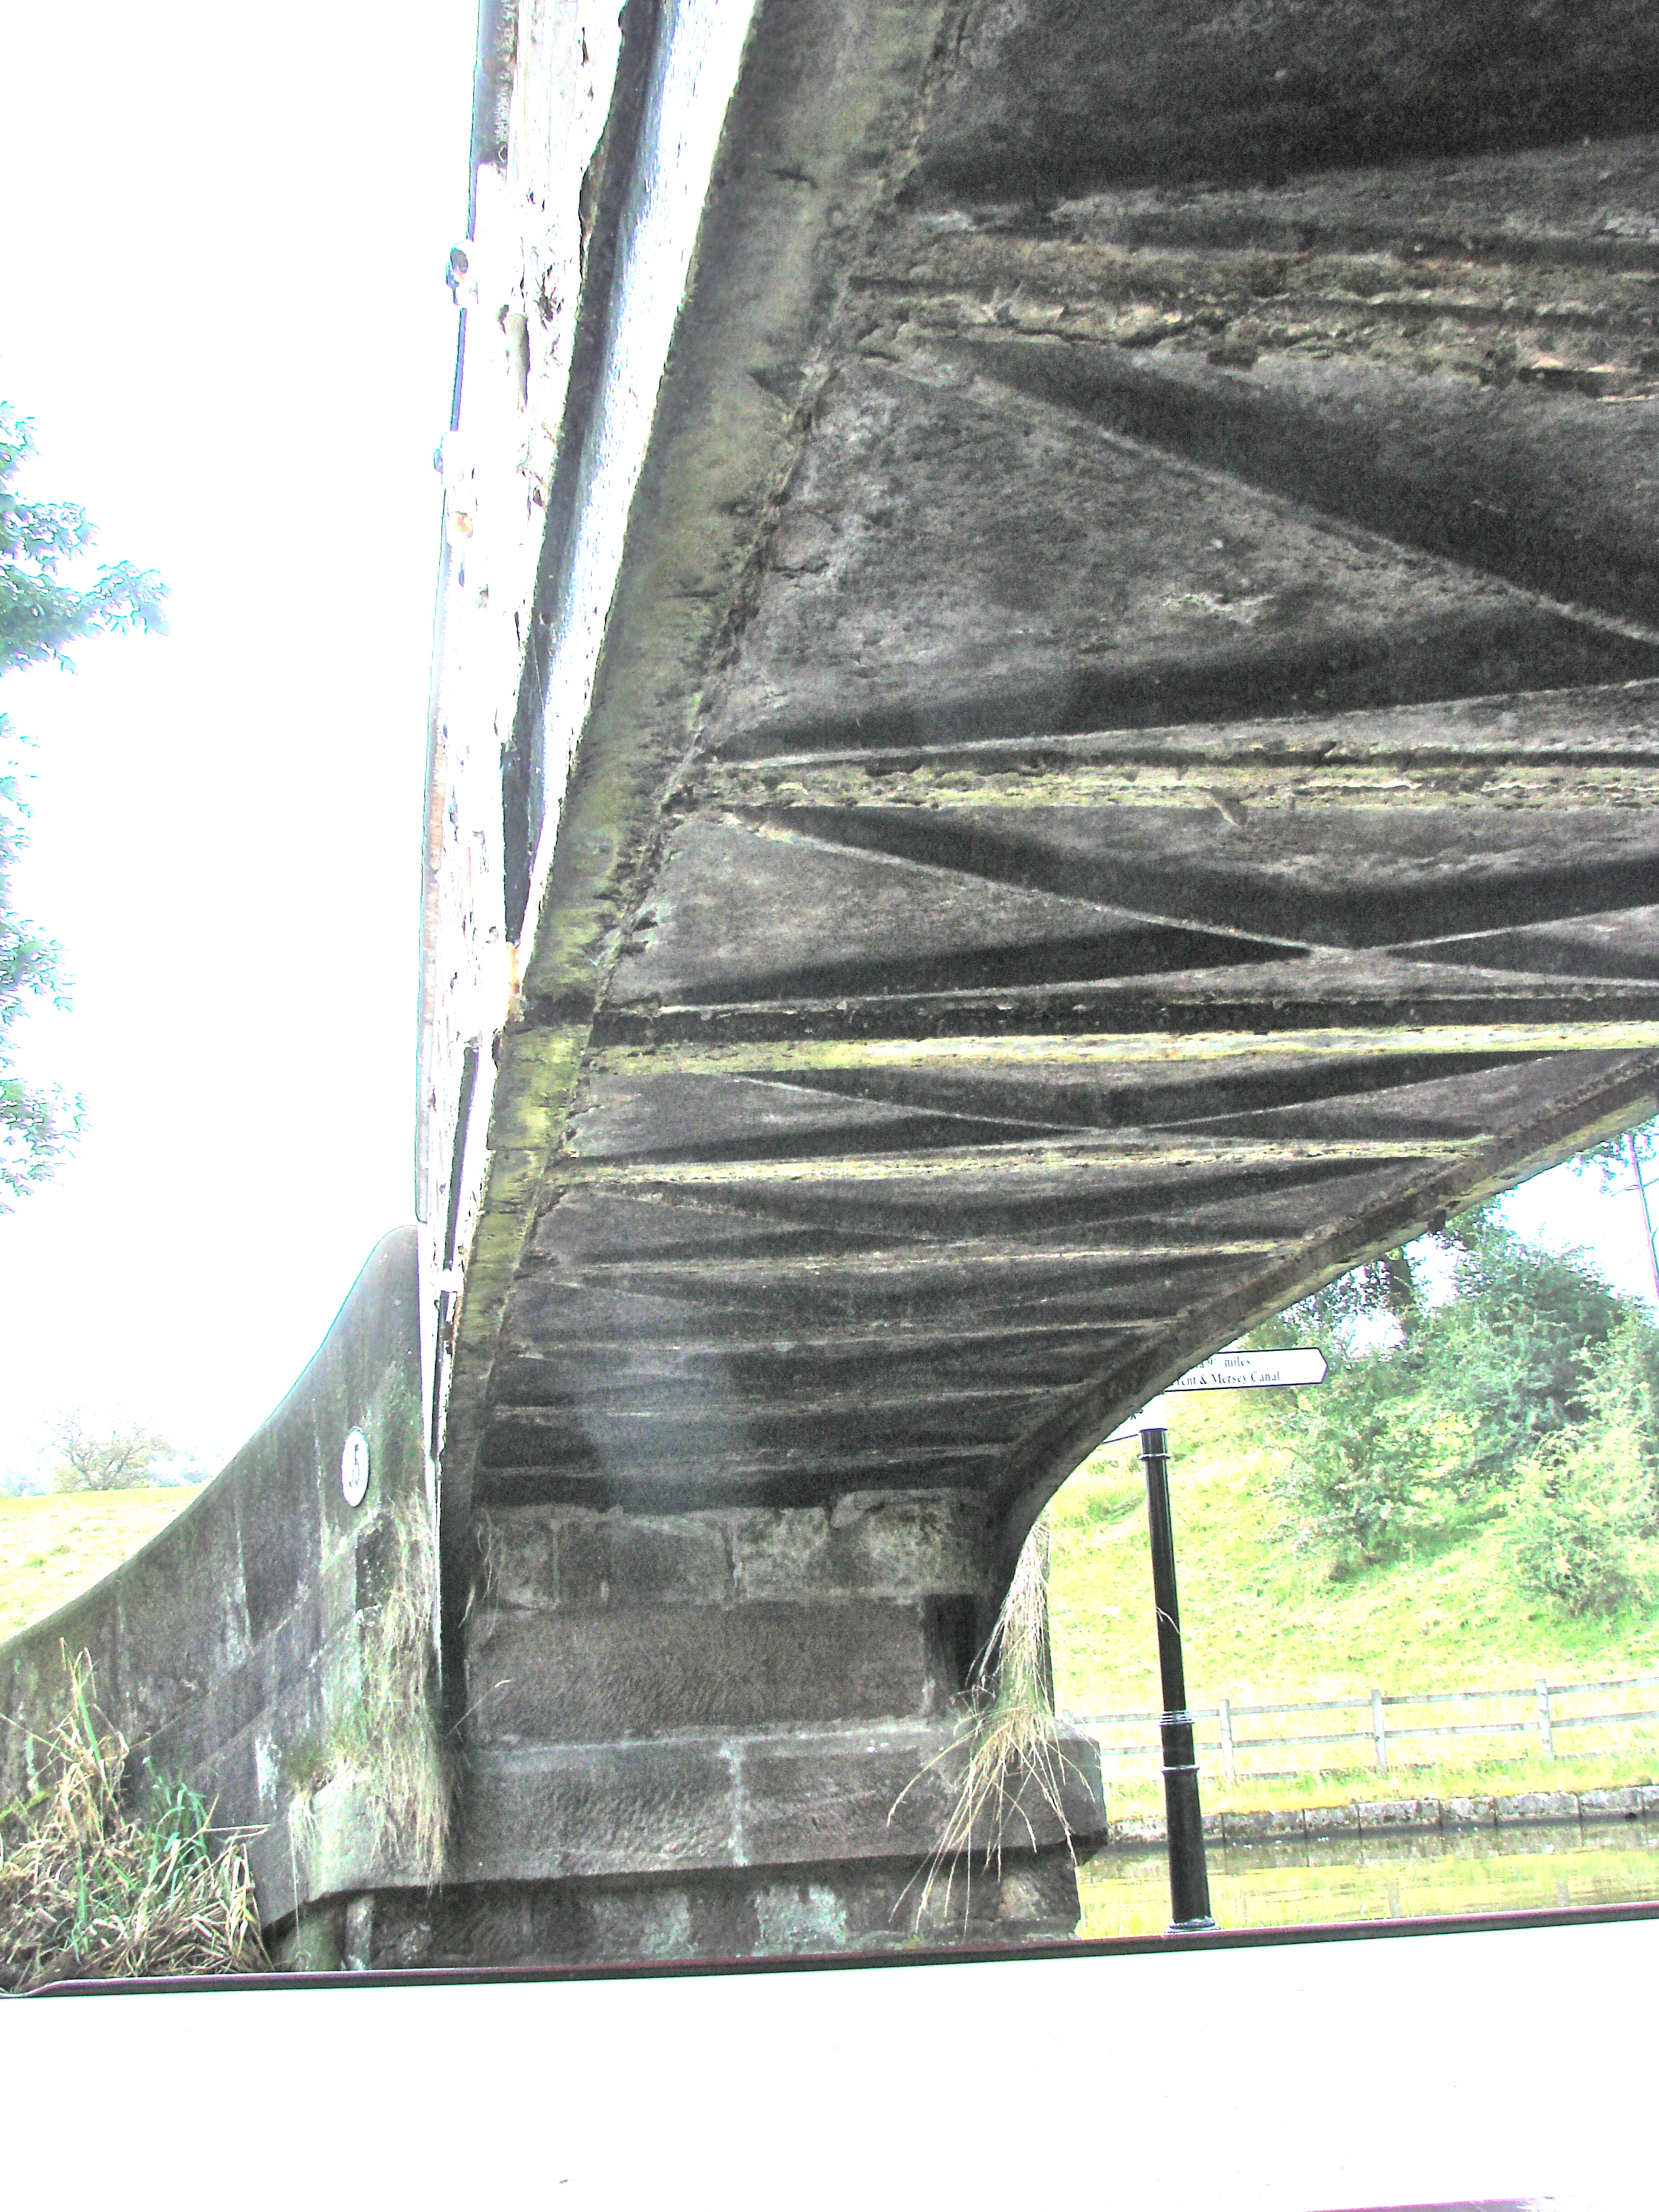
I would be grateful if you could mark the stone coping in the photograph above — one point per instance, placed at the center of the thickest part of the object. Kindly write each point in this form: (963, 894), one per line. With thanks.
(1406, 1816)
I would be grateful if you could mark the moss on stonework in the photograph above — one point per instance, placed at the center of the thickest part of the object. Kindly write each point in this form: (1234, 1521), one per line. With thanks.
(1127, 1047)
(391, 1743)
(533, 1091)
(1415, 306)
(1207, 786)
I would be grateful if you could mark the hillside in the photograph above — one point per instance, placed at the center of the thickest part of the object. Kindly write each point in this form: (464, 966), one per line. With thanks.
(53, 1548)
(1265, 1625)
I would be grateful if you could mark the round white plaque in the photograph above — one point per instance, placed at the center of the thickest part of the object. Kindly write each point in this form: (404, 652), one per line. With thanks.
(354, 1468)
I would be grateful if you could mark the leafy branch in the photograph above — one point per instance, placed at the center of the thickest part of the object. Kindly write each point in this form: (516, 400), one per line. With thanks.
(44, 610)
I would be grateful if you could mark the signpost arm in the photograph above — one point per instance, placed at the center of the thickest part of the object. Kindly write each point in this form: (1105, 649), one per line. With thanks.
(1189, 1881)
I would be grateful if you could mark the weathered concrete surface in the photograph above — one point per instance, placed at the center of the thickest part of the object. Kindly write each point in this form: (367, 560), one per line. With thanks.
(231, 1650)
(1119, 584)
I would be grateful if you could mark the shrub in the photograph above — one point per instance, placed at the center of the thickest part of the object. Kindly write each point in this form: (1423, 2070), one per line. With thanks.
(1352, 1481)
(1621, 1387)
(1433, 1410)
(1581, 1526)
(1512, 1353)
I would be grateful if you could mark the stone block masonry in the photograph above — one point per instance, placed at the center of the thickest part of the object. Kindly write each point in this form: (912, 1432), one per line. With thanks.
(1401, 1816)
(730, 1730)
(237, 1649)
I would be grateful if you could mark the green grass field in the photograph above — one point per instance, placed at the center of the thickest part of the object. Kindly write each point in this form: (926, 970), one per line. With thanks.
(1262, 1625)
(53, 1548)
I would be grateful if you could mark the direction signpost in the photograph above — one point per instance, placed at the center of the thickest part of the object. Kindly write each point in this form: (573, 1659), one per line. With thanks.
(1297, 1369)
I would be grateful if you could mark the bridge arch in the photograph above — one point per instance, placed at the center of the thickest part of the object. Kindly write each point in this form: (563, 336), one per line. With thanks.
(1116, 784)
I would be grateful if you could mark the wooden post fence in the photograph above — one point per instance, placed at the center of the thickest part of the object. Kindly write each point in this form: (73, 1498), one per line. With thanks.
(1536, 1711)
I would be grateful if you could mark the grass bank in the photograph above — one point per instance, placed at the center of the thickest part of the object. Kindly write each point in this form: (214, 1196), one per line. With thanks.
(1263, 1623)
(53, 1548)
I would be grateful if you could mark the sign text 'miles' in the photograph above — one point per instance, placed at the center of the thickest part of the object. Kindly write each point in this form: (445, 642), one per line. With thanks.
(1255, 1370)
(1298, 1369)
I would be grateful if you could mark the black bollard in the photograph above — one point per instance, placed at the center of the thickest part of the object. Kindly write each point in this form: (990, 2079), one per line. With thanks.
(1190, 1880)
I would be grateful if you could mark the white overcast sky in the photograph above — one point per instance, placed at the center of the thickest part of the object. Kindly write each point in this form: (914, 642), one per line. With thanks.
(223, 307)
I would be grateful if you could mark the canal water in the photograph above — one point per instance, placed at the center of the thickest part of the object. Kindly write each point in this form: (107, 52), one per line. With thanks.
(1285, 1884)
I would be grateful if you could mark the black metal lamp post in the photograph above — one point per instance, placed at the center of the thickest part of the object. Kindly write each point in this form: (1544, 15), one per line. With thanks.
(1190, 1880)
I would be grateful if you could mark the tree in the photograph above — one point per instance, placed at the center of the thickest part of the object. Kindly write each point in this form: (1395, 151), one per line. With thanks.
(1586, 1511)
(1510, 1352)
(1582, 1528)
(43, 610)
(1609, 1161)
(126, 1457)
(1381, 1291)
(1352, 1483)
(1439, 1414)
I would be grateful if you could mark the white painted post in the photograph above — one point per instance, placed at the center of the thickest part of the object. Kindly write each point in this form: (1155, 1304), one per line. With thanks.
(1228, 1766)
(1545, 1725)
(1379, 1732)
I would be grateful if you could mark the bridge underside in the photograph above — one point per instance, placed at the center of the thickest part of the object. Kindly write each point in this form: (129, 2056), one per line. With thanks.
(1120, 783)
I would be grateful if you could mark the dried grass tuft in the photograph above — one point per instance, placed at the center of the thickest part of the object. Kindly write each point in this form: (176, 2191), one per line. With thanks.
(1012, 1739)
(394, 1744)
(88, 1891)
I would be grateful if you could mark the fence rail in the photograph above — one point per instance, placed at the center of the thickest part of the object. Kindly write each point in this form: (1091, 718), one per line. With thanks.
(1221, 1741)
